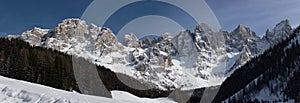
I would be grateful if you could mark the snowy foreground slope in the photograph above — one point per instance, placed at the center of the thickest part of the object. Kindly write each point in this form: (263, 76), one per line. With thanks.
(188, 60)
(16, 91)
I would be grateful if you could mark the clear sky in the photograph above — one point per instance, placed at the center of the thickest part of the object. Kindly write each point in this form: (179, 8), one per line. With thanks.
(17, 16)
(257, 14)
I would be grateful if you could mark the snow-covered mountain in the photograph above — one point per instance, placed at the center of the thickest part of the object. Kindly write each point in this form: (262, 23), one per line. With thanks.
(270, 77)
(188, 60)
(16, 91)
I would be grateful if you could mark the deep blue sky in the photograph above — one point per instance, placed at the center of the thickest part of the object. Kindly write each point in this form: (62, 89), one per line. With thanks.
(17, 16)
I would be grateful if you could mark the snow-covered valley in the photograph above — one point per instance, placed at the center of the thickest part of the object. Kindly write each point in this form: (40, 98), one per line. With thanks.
(16, 91)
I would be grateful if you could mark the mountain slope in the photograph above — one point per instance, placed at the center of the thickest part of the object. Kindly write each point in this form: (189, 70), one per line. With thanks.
(16, 91)
(271, 77)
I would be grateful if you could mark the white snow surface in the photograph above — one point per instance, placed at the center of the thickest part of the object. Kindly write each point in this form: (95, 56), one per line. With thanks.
(16, 91)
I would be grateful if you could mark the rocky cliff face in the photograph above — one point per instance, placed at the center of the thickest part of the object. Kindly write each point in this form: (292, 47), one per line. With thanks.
(278, 33)
(131, 40)
(204, 56)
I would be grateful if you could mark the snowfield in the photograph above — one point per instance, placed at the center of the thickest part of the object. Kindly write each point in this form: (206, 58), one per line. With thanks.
(16, 91)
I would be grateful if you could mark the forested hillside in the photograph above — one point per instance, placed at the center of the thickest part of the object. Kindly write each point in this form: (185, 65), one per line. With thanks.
(270, 77)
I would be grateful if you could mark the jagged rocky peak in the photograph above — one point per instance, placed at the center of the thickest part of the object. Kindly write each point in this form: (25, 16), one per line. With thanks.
(200, 31)
(72, 33)
(243, 33)
(203, 27)
(93, 31)
(225, 35)
(167, 36)
(69, 28)
(107, 37)
(131, 40)
(34, 36)
(38, 32)
(280, 31)
(184, 42)
(283, 25)
(215, 39)
(242, 36)
(164, 43)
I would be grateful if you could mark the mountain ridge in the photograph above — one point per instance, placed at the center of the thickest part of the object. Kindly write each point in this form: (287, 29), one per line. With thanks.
(169, 62)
